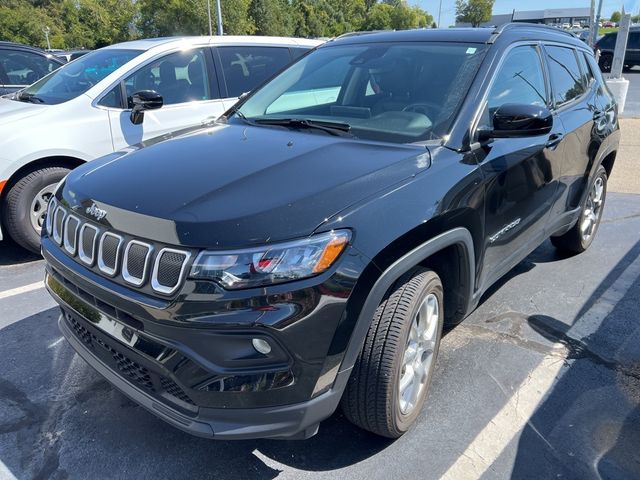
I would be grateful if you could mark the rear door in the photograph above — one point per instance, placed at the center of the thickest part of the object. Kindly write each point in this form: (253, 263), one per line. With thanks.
(189, 88)
(521, 174)
(575, 105)
(246, 67)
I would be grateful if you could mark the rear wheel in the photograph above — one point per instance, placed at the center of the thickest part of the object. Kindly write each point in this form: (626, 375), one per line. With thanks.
(581, 235)
(390, 379)
(26, 204)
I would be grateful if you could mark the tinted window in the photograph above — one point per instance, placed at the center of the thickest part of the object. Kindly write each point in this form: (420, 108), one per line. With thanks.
(587, 74)
(23, 68)
(247, 67)
(634, 40)
(565, 74)
(77, 77)
(519, 80)
(608, 41)
(400, 92)
(179, 77)
(112, 99)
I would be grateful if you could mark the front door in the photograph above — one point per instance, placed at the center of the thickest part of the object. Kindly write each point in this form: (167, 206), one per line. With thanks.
(190, 96)
(521, 174)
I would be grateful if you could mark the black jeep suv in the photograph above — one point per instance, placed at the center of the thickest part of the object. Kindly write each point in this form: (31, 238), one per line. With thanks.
(244, 278)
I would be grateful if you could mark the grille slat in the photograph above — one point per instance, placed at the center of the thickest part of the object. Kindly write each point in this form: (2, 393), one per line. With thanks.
(114, 255)
(108, 253)
(168, 270)
(58, 224)
(87, 249)
(136, 258)
(71, 233)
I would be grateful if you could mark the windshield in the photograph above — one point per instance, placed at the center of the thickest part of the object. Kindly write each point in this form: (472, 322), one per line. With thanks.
(77, 77)
(398, 92)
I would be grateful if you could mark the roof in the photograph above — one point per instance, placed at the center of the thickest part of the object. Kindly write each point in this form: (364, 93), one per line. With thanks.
(148, 43)
(517, 31)
(551, 13)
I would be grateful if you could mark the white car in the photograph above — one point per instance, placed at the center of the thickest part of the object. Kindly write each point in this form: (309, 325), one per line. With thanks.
(118, 96)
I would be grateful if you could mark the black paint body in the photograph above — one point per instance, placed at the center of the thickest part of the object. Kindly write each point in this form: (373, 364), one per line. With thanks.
(231, 185)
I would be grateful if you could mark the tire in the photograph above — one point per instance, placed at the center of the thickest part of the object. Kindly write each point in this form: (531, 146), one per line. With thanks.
(21, 206)
(372, 398)
(576, 240)
(605, 62)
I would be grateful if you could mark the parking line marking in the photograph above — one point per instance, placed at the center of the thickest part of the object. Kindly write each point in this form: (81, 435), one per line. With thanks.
(20, 290)
(494, 438)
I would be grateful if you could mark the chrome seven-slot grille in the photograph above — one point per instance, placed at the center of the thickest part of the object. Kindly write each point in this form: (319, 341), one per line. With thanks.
(135, 261)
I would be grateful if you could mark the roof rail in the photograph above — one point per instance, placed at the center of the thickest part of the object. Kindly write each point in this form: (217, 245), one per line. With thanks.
(361, 32)
(509, 26)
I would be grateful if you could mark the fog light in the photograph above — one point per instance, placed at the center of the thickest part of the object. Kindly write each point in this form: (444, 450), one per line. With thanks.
(261, 346)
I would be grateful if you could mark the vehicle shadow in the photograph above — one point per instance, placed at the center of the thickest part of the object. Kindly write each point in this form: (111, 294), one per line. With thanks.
(12, 254)
(589, 424)
(55, 409)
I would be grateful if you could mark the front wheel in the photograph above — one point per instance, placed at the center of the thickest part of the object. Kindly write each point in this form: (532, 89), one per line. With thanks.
(390, 379)
(26, 205)
(581, 235)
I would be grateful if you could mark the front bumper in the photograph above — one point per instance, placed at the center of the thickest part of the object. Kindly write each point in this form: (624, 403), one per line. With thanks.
(164, 365)
(290, 421)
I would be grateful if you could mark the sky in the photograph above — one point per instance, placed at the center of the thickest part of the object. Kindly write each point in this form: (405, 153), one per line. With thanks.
(507, 6)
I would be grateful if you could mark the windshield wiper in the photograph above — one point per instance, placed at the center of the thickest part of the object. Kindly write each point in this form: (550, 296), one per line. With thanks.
(332, 128)
(29, 97)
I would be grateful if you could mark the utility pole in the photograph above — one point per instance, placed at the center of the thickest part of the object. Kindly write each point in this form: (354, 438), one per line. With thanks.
(439, 13)
(46, 31)
(220, 18)
(594, 33)
(209, 16)
(592, 24)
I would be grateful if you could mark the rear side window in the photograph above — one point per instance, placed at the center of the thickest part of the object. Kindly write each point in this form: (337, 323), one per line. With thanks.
(608, 41)
(247, 67)
(587, 73)
(565, 74)
(23, 68)
(519, 80)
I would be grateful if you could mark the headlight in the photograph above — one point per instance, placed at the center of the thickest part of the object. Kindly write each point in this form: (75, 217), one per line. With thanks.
(271, 264)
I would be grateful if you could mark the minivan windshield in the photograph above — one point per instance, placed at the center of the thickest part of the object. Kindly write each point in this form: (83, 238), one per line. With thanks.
(401, 92)
(77, 77)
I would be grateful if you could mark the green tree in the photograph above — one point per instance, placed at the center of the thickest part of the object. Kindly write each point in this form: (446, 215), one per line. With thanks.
(616, 16)
(22, 22)
(380, 17)
(271, 17)
(474, 12)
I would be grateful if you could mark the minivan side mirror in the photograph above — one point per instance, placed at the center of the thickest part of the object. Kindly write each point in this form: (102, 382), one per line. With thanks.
(144, 100)
(514, 120)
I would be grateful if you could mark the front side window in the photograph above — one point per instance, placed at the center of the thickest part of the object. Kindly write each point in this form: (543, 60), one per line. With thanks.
(179, 77)
(75, 78)
(247, 67)
(519, 80)
(634, 40)
(399, 92)
(23, 68)
(565, 74)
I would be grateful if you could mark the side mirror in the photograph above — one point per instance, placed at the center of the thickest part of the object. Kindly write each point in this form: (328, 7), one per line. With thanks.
(144, 100)
(514, 120)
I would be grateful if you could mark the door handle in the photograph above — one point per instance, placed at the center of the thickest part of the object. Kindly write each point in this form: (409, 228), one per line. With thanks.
(554, 140)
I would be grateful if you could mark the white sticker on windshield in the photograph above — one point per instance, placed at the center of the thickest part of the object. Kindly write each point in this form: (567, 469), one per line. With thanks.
(471, 50)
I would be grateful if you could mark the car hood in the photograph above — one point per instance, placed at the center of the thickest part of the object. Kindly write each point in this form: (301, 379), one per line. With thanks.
(232, 185)
(11, 111)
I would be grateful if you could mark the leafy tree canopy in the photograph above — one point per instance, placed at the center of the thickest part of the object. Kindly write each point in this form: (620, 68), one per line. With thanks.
(96, 23)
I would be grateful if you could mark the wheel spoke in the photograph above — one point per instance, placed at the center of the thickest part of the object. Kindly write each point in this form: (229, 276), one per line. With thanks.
(406, 380)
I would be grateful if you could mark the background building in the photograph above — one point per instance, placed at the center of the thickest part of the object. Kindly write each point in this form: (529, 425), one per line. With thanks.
(551, 16)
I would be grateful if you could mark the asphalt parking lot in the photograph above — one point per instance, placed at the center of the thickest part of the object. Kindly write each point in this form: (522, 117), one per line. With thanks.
(632, 105)
(541, 381)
